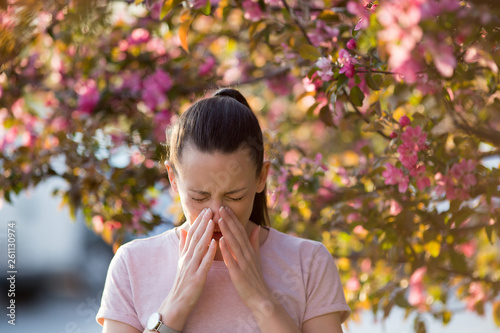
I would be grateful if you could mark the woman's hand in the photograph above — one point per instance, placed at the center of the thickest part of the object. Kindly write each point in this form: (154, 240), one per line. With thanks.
(242, 257)
(196, 254)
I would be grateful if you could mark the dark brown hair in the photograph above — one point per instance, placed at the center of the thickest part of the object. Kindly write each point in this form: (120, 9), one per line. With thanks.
(221, 123)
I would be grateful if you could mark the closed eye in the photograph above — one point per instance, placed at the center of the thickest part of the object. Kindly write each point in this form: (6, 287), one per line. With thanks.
(198, 200)
(236, 199)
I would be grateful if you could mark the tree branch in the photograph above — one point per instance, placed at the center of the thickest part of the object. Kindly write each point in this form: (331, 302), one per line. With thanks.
(361, 115)
(297, 22)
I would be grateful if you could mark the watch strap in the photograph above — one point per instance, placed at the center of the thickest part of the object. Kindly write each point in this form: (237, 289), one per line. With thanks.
(165, 329)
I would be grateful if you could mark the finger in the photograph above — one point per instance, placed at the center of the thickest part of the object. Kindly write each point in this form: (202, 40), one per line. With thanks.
(241, 252)
(235, 226)
(200, 223)
(182, 240)
(209, 257)
(227, 255)
(201, 248)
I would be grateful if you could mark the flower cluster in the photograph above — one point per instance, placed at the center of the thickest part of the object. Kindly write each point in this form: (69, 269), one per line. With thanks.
(458, 181)
(412, 142)
(416, 296)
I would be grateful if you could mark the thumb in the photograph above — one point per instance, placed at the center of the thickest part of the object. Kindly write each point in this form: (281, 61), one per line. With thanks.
(254, 239)
(182, 240)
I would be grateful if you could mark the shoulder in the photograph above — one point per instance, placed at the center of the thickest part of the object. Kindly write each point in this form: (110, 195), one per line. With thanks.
(294, 249)
(288, 242)
(140, 247)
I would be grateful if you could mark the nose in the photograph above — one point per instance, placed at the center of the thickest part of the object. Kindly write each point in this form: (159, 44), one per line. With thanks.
(215, 206)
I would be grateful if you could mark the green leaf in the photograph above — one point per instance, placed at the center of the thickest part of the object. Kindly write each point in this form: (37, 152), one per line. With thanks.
(460, 216)
(309, 52)
(167, 7)
(371, 82)
(401, 300)
(326, 116)
(356, 96)
(207, 8)
(342, 80)
(372, 127)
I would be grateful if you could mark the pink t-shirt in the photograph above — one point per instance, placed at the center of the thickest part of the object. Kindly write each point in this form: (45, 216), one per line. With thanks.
(301, 274)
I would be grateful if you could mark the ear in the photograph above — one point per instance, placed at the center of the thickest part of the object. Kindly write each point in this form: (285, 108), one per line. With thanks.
(261, 184)
(171, 176)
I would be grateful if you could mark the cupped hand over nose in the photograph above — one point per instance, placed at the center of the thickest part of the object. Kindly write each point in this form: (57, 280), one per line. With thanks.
(196, 253)
(242, 257)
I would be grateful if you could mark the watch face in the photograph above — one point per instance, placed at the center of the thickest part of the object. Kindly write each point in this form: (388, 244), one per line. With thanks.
(153, 321)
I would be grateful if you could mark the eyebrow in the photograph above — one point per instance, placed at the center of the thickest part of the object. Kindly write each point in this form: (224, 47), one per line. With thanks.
(230, 192)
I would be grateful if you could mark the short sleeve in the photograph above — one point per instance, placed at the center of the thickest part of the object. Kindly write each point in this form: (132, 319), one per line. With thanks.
(117, 298)
(324, 292)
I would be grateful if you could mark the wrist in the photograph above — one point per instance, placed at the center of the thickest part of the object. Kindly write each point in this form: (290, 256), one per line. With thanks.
(173, 314)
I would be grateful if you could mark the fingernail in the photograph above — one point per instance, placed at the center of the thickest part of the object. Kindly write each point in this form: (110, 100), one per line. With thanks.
(212, 243)
(221, 208)
(207, 211)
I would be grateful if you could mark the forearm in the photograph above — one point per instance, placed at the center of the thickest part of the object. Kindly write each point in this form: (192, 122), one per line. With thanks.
(272, 317)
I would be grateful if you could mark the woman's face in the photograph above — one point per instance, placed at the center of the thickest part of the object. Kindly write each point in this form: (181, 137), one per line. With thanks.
(215, 179)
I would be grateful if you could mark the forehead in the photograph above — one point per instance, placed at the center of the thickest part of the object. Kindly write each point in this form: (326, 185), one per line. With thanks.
(216, 171)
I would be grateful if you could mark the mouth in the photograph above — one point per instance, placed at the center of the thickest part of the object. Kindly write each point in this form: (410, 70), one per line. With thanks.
(217, 234)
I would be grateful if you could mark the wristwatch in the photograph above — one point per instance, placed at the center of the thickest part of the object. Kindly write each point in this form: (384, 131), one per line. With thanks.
(155, 324)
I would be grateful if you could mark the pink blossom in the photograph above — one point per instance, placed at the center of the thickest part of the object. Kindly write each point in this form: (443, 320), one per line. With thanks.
(207, 66)
(457, 181)
(131, 81)
(414, 138)
(393, 135)
(463, 173)
(476, 295)
(404, 121)
(395, 176)
(156, 46)
(351, 44)
(138, 36)
(347, 63)
(274, 2)
(442, 56)
(155, 88)
(353, 284)
(468, 249)
(407, 156)
(395, 207)
(366, 265)
(88, 96)
(325, 69)
(323, 33)
(348, 70)
(252, 10)
(161, 121)
(98, 224)
(197, 4)
(416, 295)
(357, 9)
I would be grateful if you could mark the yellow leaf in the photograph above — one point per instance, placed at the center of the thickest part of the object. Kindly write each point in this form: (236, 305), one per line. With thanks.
(137, 2)
(183, 33)
(496, 313)
(433, 248)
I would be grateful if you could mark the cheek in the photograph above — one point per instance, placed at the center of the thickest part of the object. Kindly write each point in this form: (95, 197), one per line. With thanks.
(191, 209)
(242, 209)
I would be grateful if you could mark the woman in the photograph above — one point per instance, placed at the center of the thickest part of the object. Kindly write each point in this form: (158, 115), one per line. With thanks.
(224, 269)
